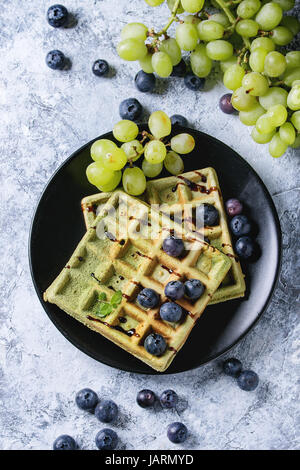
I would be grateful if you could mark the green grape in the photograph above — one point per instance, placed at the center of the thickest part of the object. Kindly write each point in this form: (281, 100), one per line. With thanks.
(292, 60)
(293, 99)
(171, 4)
(264, 124)
(174, 163)
(134, 181)
(247, 28)
(242, 101)
(286, 5)
(277, 147)
(290, 76)
(101, 147)
(125, 130)
(296, 144)
(220, 18)
(257, 59)
(151, 170)
(277, 115)
(154, 3)
(183, 143)
(269, 16)
(287, 133)
(191, 19)
(170, 47)
(250, 117)
(255, 84)
(281, 36)
(114, 182)
(225, 64)
(292, 23)
(132, 49)
(200, 63)
(155, 151)
(274, 95)
(261, 138)
(187, 36)
(146, 64)
(114, 160)
(265, 43)
(247, 8)
(135, 31)
(133, 150)
(209, 30)
(98, 175)
(192, 6)
(159, 124)
(275, 64)
(295, 120)
(219, 49)
(162, 64)
(233, 77)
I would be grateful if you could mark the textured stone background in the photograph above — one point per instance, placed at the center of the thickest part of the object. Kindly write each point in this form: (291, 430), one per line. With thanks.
(44, 116)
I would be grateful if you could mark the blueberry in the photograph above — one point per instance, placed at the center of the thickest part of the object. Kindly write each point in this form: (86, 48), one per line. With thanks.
(145, 398)
(64, 442)
(86, 399)
(174, 290)
(106, 439)
(179, 70)
(57, 16)
(225, 104)
(148, 298)
(233, 207)
(170, 311)
(207, 215)
(168, 399)
(245, 247)
(240, 225)
(106, 411)
(173, 246)
(193, 82)
(130, 109)
(248, 380)
(177, 432)
(100, 68)
(178, 120)
(193, 289)
(144, 81)
(232, 367)
(55, 60)
(155, 344)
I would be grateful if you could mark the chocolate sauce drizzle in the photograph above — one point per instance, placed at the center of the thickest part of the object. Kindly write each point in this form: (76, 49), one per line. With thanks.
(129, 333)
(195, 186)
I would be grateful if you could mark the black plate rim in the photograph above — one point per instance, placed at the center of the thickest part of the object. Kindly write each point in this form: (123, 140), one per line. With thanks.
(215, 356)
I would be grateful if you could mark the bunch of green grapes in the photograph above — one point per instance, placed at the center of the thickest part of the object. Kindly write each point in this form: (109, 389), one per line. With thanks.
(109, 159)
(245, 37)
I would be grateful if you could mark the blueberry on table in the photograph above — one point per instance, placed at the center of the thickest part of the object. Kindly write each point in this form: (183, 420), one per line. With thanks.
(178, 120)
(155, 344)
(168, 399)
(64, 442)
(233, 207)
(145, 398)
(86, 399)
(106, 411)
(55, 60)
(245, 247)
(174, 290)
(173, 246)
(179, 70)
(171, 312)
(177, 432)
(193, 289)
(145, 82)
(232, 367)
(100, 68)
(148, 298)
(130, 109)
(240, 225)
(207, 215)
(193, 82)
(106, 439)
(248, 380)
(225, 104)
(57, 16)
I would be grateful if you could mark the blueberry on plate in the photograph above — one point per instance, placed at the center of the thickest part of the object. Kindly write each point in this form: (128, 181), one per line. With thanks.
(57, 16)
(225, 104)
(207, 215)
(177, 432)
(193, 289)
(248, 380)
(55, 60)
(232, 367)
(155, 344)
(245, 247)
(106, 439)
(233, 207)
(240, 225)
(106, 411)
(130, 109)
(178, 120)
(145, 398)
(168, 399)
(174, 290)
(173, 246)
(179, 70)
(171, 312)
(145, 82)
(86, 399)
(193, 82)
(64, 442)
(100, 68)
(148, 298)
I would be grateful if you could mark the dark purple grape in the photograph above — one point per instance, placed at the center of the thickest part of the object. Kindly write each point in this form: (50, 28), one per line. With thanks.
(233, 207)
(225, 104)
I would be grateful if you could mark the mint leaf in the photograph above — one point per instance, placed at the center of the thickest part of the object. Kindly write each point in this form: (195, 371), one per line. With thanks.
(102, 296)
(116, 298)
(104, 310)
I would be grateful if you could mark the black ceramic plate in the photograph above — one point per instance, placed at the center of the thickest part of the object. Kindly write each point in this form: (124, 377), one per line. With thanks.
(58, 226)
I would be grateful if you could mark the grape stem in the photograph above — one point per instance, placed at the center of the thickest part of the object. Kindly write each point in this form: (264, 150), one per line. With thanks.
(233, 20)
(172, 18)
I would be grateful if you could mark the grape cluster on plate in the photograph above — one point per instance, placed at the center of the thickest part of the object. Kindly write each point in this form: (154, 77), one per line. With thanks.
(109, 159)
(245, 37)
